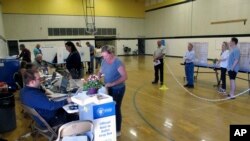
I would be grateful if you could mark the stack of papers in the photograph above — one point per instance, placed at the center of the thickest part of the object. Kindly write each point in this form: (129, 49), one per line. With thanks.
(157, 62)
(84, 99)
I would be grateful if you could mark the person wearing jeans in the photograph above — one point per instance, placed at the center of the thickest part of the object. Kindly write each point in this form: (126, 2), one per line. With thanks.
(115, 76)
(189, 66)
(117, 94)
(223, 61)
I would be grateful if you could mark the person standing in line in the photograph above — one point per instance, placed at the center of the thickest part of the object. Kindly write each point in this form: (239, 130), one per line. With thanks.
(189, 66)
(115, 76)
(233, 65)
(223, 61)
(25, 54)
(158, 63)
(98, 57)
(37, 50)
(92, 53)
(73, 62)
(79, 46)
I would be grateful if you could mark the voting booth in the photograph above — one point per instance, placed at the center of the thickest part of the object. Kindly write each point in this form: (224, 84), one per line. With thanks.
(100, 109)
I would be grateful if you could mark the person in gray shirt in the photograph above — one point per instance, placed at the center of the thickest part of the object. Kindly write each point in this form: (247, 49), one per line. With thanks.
(158, 62)
(233, 65)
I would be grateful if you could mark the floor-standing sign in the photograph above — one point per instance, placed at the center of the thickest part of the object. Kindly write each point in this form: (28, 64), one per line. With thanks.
(102, 113)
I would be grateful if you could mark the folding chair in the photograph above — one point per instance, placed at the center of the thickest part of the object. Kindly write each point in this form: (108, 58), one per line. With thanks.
(18, 80)
(75, 128)
(47, 131)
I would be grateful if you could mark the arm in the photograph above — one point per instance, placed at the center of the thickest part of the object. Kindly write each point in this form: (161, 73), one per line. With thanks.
(189, 56)
(99, 74)
(234, 64)
(122, 79)
(224, 57)
(20, 55)
(158, 57)
(236, 60)
(162, 54)
(41, 101)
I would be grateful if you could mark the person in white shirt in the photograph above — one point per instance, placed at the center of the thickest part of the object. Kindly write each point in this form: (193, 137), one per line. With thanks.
(189, 66)
(223, 61)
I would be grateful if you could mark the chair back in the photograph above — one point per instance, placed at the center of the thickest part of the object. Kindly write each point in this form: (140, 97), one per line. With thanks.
(75, 128)
(18, 79)
(33, 113)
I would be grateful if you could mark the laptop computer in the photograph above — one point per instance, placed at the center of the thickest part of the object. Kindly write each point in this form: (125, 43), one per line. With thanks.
(62, 88)
(61, 96)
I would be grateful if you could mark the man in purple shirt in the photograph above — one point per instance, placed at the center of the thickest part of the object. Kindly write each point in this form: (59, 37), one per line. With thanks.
(25, 54)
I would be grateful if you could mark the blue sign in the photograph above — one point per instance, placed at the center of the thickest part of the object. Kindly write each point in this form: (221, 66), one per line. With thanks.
(163, 42)
(104, 110)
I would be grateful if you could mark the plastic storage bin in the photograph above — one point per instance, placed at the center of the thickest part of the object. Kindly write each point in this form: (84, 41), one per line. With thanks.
(7, 112)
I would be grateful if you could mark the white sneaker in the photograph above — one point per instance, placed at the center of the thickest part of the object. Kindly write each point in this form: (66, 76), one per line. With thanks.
(118, 134)
(223, 91)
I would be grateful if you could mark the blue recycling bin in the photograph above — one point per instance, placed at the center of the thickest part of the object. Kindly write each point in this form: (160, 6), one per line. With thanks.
(7, 69)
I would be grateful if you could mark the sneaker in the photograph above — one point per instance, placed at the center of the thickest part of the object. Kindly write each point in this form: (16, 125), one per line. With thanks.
(230, 97)
(222, 91)
(190, 86)
(118, 134)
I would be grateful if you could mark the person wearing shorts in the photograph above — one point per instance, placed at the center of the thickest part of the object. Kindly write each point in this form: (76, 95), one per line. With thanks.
(233, 65)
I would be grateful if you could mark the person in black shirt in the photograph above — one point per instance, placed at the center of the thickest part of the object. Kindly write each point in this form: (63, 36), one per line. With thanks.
(73, 62)
(25, 54)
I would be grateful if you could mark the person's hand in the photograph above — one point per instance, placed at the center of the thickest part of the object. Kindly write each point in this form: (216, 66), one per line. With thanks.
(47, 92)
(69, 100)
(107, 85)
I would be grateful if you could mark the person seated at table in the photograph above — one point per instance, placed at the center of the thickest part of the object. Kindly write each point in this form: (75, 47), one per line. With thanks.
(189, 66)
(39, 63)
(34, 97)
(223, 61)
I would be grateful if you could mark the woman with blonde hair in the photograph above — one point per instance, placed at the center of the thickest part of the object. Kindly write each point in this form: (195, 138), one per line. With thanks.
(223, 61)
(115, 76)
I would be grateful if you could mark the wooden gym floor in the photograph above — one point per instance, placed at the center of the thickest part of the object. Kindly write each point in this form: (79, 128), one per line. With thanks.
(175, 114)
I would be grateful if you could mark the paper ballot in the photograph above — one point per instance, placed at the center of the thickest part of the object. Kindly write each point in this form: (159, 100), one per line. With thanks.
(157, 62)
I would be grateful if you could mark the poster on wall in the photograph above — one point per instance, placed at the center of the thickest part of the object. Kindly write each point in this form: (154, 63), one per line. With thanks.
(201, 53)
(244, 56)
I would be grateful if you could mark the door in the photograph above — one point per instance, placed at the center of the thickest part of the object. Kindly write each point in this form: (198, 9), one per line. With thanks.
(141, 46)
